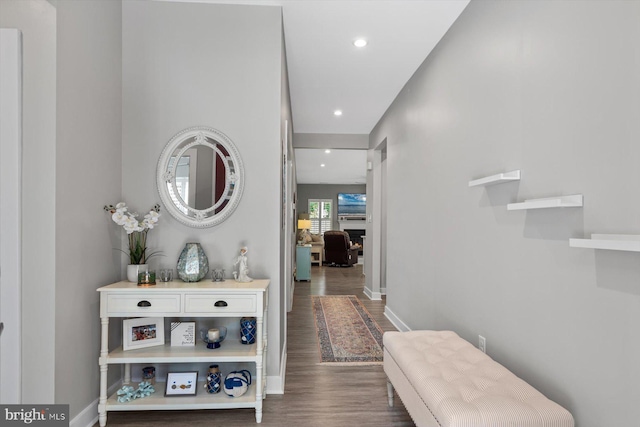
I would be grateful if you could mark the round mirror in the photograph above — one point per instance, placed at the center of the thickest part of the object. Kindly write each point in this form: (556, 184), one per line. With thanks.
(200, 177)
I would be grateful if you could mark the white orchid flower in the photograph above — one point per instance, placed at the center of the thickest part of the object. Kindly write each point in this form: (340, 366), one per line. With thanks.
(130, 222)
(151, 219)
(118, 217)
(135, 229)
(132, 226)
(153, 216)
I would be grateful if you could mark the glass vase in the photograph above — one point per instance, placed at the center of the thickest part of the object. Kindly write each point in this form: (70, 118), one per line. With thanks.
(193, 264)
(248, 330)
(212, 385)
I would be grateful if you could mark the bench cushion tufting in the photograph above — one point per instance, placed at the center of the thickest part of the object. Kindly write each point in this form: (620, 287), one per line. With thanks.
(463, 387)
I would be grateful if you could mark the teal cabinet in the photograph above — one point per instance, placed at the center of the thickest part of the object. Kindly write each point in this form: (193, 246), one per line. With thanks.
(303, 262)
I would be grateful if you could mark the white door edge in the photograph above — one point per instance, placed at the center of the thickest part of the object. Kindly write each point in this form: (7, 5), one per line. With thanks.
(10, 213)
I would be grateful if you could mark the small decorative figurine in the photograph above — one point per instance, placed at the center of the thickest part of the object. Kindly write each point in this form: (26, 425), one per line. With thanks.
(242, 275)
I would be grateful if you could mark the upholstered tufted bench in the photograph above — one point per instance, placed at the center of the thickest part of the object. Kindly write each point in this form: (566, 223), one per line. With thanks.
(444, 381)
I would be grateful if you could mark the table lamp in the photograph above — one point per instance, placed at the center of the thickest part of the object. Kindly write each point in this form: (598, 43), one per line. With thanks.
(304, 225)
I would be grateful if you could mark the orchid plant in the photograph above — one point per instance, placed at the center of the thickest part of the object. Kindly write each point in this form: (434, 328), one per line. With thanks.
(136, 230)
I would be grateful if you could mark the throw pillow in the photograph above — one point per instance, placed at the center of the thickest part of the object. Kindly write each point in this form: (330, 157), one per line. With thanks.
(316, 238)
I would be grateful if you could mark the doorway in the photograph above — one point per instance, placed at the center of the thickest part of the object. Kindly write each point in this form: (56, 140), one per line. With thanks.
(376, 286)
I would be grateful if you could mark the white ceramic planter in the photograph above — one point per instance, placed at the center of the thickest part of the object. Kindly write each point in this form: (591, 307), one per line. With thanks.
(134, 269)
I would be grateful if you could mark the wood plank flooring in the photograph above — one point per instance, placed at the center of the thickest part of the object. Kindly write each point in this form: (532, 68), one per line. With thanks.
(315, 395)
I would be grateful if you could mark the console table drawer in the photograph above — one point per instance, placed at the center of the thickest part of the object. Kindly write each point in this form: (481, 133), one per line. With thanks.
(142, 304)
(220, 304)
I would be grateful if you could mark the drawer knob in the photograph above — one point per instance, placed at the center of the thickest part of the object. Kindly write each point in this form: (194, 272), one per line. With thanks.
(144, 303)
(220, 303)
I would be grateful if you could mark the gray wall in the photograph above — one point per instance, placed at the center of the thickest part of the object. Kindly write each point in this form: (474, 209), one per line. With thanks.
(553, 89)
(71, 168)
(88, 176)
(324, 191)
(188, 64)
(37, 21)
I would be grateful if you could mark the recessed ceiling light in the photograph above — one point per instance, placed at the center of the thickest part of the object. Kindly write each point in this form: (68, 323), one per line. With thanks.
(360, 43)
(337, 113)
(322, 165)
(327, 151)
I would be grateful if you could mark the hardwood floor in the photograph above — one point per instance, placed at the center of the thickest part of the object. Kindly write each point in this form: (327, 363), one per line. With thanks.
(315, 395)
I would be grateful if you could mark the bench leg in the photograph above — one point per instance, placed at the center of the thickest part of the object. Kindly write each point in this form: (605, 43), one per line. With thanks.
(390, 393)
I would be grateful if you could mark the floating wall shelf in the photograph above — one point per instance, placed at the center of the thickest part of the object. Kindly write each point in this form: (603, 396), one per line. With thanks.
(574, 201)
(500, 178)
(612, 242)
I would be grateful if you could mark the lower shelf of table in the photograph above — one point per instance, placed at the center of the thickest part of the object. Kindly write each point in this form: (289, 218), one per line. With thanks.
(202, 400)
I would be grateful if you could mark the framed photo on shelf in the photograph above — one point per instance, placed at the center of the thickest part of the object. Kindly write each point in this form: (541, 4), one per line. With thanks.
(142, 332)
(182, 384)
(183, 334)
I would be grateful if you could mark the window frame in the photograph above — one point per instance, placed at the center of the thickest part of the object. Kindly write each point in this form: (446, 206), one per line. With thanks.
(317, 223)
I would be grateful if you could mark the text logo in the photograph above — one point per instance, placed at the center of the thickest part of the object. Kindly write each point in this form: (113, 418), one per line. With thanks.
(34, 415)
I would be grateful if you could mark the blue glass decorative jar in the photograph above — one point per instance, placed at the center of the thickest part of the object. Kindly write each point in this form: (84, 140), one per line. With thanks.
(193, 264)
(214, 380)
(248, 330)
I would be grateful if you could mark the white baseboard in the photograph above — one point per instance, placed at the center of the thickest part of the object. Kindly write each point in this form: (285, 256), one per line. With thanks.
(374, 296)
(383, 291)
(399, 324)
(275, 383)
(89, 415)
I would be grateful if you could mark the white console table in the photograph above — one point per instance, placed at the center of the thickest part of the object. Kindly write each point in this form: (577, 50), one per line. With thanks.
(179, 299)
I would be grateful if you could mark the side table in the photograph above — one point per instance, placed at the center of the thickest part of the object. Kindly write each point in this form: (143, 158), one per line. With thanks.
(303, 262)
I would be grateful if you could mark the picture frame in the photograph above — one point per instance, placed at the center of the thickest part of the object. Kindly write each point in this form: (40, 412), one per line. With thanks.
(142, 332)
(181, 384)
(183, 334)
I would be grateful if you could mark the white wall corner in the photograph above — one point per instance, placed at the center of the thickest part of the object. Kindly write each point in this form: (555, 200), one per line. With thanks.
(397, 322)
(275, 383)
(374, 296)
(88, 417)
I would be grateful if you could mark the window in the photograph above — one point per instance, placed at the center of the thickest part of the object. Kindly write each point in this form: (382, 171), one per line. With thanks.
(185, 173)
(320, 215)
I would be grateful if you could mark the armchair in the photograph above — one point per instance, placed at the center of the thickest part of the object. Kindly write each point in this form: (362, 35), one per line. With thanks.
(338, 250)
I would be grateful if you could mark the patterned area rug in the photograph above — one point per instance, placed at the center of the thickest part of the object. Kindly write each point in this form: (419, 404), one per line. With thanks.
(347, 334)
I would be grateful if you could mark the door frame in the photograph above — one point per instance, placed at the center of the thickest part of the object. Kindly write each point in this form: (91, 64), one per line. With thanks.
(10, 214)
(373, 280)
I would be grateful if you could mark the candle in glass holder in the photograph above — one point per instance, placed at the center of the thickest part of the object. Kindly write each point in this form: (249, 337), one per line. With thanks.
(146, 278)
(213, 334)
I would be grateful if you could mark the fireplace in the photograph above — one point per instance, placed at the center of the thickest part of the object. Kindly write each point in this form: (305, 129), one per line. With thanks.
(355, 235)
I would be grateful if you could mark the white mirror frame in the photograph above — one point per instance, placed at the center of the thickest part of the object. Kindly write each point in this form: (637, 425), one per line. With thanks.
(166, 174)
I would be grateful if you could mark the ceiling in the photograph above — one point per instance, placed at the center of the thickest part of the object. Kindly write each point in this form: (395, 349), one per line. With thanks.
(340, 166)
(327, 72)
